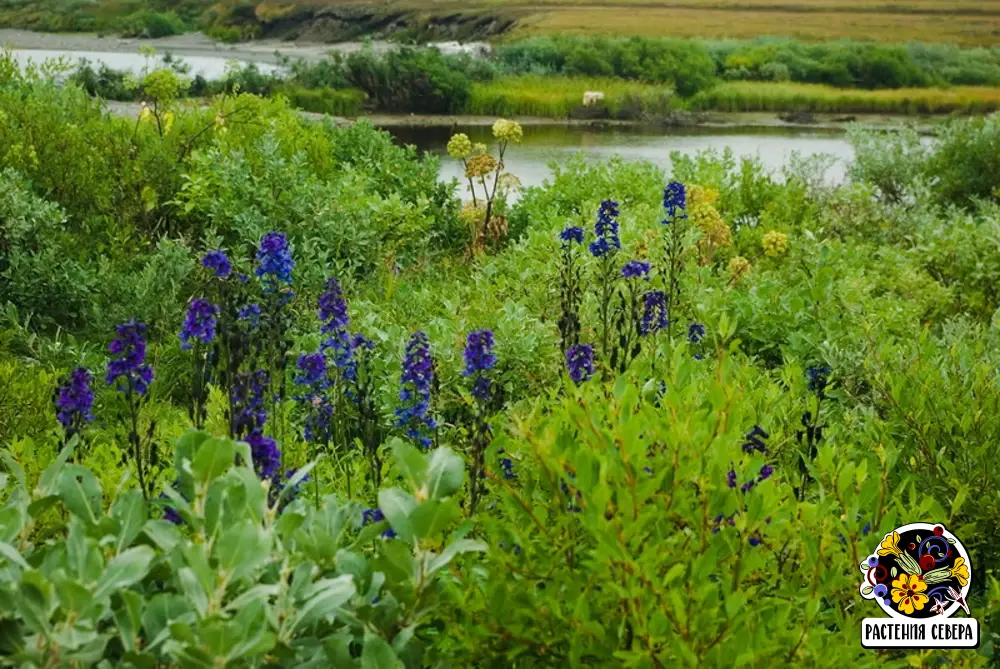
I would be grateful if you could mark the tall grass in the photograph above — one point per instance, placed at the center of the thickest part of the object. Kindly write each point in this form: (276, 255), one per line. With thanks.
(562, 97)
(746, 96)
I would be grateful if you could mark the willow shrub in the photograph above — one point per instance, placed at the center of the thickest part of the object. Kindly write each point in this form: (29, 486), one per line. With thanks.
(250, 577)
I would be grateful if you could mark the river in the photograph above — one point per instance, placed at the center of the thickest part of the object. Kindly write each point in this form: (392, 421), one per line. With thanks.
(529, 161)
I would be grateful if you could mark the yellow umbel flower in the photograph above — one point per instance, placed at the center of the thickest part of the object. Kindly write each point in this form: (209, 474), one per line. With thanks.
(961, 572)
(480, 165)
(509, 131)
(738, 267)
(890, 545)
(908, 593)
(145, 113)
(775, 243)
(459, 146)
(701, 195)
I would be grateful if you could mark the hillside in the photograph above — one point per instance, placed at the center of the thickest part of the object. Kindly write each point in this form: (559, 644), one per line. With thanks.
(964, 21)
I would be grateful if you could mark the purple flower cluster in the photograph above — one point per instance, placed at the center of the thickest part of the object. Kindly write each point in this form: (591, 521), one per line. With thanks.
(265, 454)
(319, 409)
(75, 400)
(606, 230)
(479, 359)
(573, 233)
(343, 347)
(765, 473)
(251, 315)
(507, 465)
(415, 391)
(636, 269)
(199, 323)
(218, 262)
(696, 332)
(674, 199)
(580, 362)
(248, 395)
(654, 312)
(128, 372)
(333, 308)
(274, 260)
(755, 440)
(818, 377)
(313, 369)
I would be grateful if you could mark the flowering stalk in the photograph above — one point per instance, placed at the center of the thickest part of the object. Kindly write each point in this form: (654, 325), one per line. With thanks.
(479, 360)
(74, 402)
(654, 319)
(416, 383)
(197, 333)
(570, 288)
(674, 204)
(812, 430)
(628, 319)
(130, 375)
(605, 247)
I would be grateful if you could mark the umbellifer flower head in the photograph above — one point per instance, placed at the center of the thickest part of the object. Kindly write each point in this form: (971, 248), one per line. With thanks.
(508, 131)
(775, 243)
(459, 146)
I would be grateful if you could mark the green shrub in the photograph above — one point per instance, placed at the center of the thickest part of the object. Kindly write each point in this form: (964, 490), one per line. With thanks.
(152, 24)
(409, 80)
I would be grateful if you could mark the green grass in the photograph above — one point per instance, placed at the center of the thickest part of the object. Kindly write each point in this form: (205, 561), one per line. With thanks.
(562, 97)
(791, 97)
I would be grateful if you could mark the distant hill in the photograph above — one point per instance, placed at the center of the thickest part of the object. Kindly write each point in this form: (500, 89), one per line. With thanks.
(968, 22)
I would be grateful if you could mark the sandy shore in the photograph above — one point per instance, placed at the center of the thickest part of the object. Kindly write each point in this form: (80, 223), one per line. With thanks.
(189, 44)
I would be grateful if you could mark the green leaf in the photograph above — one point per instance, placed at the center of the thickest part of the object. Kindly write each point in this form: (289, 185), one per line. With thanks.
(453, 549)
(242, 548)
(81, 493)
(213, 458)
(11, 554)
(325, 598)
(432, 517)
(130, 512)
(126, 569)
(128, 618)
(396, 506)
(377, 654)
(162, 533)
(193, 591)
(445, 473)
(410, 461)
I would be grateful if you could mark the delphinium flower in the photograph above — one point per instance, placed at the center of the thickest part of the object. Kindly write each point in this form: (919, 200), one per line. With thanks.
(818, 377)
(312, 369)
(696, 332)
(636, 269)
(765, 472)
(250, 314)
(720, 520)
(332, 308)
(74, 402)
(199, 323)
(731, 478)
(314, 398)
(249, 391)
(274, 260)
(654, 313)
(128, 372)
(266, 455)
(571, 234)
(281, 489)
(507, 465)
(218, 262)
(479, 359)
(755, 440)
(580, 362)
(606, 230)
(674, 200)
(414, 413)
(369, 516)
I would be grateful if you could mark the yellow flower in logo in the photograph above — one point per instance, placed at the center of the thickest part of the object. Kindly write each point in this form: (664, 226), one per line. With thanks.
(961, 572)
(890, 545)
(908, 593)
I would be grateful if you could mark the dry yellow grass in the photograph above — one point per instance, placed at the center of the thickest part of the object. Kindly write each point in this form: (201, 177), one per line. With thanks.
(969, 22)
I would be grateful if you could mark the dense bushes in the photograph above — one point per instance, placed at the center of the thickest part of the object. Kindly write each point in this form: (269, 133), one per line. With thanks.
(828, 372)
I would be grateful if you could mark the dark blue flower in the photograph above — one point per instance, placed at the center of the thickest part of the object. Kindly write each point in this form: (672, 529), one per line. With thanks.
(765, 472)
(755, 541)
(755, 440)
(369, 516)
(128, 371)
(696, 332)
(507, 465)
(818, 377)
(278, 489)
(75, 400)
(313, 368)
(731, 478)
(571, 234)
(674, 199)
(606, 229)
(415, 391)
(636, 269)
(248, 395)
(333, 308)
(251, 314)
(274, 260)
(654, 312)
(580, 362)
(218, 262)
(479, 359)
(746, 487)
(265, 454)
(199, 323)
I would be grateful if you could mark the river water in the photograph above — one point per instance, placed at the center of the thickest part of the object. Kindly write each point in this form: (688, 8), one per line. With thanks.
(531, 159)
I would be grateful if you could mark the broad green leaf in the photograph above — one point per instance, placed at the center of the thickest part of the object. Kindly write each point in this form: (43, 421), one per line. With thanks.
(242, 548)
(397, 505)
(445, 473)
(162, 533)
(377, 654)
(128, 618)
(130, 512)
(124, 570)
(325, 598)
(213, 458)
(410, 461)
(11, 554)
(80, 492)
